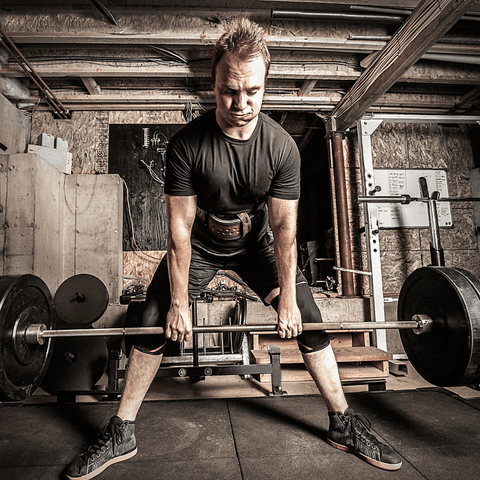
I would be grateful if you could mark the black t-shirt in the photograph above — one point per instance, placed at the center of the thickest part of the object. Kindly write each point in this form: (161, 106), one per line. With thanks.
(231, 176)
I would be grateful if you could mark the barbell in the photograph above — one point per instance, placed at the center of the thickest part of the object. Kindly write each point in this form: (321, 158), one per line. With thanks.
(36, 334)
(438, 308)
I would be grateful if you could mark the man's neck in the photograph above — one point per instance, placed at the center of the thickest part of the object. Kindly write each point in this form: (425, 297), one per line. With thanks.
(239, 133)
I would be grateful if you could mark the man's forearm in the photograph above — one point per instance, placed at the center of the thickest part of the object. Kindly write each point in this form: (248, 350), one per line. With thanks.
(286, 259)
(178, 258)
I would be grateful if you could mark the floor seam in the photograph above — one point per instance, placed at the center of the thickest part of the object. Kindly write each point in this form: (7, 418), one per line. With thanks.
(234, 440)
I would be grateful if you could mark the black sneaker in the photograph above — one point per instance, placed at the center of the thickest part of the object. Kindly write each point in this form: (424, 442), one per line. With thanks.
(350, 432)
(115, 443)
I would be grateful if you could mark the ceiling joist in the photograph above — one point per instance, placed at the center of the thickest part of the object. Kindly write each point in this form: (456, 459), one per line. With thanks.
(427, 23)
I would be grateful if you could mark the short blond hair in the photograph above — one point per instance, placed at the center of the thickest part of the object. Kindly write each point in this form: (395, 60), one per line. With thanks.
(245, 39)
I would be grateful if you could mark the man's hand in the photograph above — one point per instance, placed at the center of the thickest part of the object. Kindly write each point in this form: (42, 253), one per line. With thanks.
(289, 318)
(179, 324)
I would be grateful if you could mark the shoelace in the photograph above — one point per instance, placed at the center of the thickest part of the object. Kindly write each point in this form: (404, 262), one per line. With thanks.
(109, 432)
(364, 426)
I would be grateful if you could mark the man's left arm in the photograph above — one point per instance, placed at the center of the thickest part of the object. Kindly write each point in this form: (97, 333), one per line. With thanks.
(283, 221)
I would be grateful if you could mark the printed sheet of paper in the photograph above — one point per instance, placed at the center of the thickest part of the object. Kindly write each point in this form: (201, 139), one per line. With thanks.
(397, 182)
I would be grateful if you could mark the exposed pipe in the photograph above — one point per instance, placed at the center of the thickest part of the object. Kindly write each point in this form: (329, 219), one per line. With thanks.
(49, 96)
(440, 57)
(342, 214)
(386, 38)
(384, 15)
(336, 17)
(472, 16)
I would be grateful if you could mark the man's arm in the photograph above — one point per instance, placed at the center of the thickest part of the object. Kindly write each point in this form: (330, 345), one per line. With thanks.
(283, 220)
(180, 216)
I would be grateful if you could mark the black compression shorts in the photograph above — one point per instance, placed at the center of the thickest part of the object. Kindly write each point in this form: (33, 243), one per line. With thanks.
(257, 269)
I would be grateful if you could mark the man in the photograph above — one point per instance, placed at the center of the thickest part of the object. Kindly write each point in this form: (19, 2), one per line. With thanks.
(231, 174)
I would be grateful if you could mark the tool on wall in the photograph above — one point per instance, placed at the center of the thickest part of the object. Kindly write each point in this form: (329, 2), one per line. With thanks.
(158, 142)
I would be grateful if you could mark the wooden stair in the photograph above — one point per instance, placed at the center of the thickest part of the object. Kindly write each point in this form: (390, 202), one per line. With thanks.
(356, 359)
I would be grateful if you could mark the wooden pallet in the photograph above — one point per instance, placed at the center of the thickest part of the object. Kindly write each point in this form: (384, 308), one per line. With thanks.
(356, 359)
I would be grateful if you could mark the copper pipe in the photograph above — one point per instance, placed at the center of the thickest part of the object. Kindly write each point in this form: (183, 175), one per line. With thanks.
(49, 96)
(342, 214)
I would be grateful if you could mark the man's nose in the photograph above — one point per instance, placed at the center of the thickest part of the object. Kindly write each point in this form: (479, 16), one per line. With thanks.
(241, 100)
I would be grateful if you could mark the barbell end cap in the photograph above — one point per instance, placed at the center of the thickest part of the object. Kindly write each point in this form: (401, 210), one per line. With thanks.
(34, 334)
(424, 324)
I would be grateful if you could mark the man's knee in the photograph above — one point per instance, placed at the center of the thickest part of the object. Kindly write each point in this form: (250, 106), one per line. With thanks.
(310, 340)
(151, 345)
(313, 342)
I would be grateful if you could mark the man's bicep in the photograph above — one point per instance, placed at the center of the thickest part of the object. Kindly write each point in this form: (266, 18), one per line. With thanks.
(282, 213)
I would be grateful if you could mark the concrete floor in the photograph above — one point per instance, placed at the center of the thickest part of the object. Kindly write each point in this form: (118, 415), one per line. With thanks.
(225, 428)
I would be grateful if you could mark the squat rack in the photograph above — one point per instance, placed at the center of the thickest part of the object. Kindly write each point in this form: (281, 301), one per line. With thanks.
(366, 126)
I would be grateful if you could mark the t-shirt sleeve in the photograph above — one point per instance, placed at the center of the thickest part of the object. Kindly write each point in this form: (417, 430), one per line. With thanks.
(178, 171)
(286, 182)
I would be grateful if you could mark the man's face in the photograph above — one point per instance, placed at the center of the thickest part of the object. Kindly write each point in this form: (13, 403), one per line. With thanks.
(239, 88)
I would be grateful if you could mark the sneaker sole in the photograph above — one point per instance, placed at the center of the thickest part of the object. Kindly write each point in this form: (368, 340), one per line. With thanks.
(371, 461)
(98, 471)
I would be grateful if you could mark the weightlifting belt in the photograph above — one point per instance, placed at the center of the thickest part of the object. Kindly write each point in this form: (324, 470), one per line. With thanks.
(231, 228)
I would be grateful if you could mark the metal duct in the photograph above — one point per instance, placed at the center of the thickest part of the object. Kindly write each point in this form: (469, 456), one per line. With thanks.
(13, 88)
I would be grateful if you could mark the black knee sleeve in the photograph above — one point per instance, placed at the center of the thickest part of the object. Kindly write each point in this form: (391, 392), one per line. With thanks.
(152, 313)
(309, 340)
(143, 349)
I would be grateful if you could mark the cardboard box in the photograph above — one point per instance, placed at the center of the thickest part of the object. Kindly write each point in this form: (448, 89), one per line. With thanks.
(60, 159)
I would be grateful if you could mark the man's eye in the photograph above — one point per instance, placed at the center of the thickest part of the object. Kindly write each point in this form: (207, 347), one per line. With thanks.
(252, 92)
(227, 91)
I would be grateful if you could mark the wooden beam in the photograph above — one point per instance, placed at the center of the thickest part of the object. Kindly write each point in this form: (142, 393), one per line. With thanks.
(427, 23)
(277, 71)
(307, 87)
(275, 42)
(92, 86)
(430, 75)
(322, 101)
(468, 98)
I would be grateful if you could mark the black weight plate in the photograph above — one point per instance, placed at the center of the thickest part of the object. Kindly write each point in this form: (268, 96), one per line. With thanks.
(444, 356)
(82, 298)
(474, 364)
(77, 363)
(24, 300)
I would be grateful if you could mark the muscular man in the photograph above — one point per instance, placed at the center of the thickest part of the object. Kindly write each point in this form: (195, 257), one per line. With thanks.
(232, 188)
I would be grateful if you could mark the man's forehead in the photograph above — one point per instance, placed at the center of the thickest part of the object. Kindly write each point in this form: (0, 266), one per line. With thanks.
(233, 67)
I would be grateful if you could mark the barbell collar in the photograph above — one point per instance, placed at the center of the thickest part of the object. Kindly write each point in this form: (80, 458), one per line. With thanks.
(37, 333)
(425, 324)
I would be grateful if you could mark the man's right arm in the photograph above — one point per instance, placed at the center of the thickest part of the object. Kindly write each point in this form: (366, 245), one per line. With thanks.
(181, 213)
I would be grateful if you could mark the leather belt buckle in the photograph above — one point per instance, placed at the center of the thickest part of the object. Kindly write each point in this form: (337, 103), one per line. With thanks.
(226, 229)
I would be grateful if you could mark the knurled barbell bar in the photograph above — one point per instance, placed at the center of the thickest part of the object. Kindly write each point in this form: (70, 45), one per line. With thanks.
(36, 334)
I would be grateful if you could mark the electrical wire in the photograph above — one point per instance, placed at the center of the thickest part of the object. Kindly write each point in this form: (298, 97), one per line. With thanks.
(131, 223)
(152, 173)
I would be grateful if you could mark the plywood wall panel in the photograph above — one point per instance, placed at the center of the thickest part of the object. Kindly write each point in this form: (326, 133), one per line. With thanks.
(48, 248)
(20, 206)
(98, 249)
(141, 265)
(389, 146)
